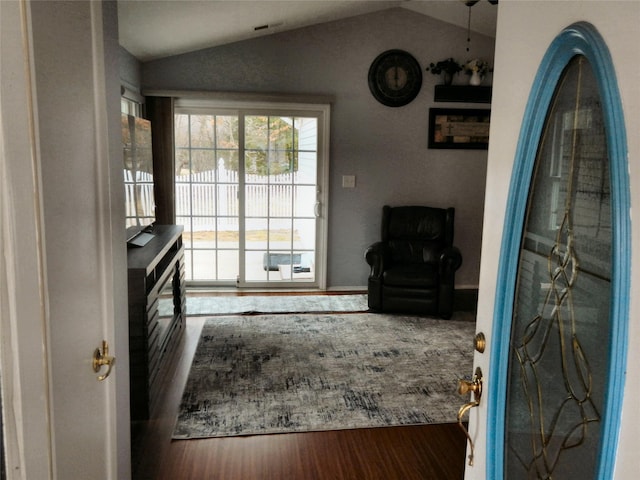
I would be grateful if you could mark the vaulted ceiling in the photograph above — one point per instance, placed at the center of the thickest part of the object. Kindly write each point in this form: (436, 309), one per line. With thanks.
(151, 29)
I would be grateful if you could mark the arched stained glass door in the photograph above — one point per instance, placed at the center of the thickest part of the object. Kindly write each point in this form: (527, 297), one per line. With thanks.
(561, 319)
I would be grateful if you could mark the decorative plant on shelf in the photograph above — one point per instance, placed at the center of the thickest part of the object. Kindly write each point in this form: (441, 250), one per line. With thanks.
(447, 68)
(477, 69)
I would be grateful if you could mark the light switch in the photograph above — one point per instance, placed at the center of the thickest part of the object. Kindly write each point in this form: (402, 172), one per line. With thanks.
(348, 181)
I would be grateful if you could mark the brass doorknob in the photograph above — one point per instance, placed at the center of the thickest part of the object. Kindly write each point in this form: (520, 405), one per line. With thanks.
(475, 385)
(102, 358)
(466, 386)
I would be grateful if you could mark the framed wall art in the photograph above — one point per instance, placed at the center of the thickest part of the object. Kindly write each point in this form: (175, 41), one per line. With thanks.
(462, 128)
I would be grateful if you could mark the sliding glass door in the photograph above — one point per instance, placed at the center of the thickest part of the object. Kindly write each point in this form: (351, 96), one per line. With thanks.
(250, 194)
(206, 193)
(280, 196)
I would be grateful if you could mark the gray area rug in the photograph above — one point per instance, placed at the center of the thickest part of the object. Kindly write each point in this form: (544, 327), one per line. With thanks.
(225, 305)
(310, 372)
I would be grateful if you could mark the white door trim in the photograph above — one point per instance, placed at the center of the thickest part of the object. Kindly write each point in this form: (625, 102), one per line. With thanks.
(24, 313)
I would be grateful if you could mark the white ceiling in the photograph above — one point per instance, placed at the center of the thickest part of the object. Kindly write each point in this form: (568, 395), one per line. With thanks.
(151, 29)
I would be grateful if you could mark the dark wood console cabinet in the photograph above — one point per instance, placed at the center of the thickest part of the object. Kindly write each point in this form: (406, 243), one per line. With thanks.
(153, 269)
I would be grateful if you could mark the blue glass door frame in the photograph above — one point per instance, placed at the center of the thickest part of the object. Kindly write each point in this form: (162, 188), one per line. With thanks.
(578, 39)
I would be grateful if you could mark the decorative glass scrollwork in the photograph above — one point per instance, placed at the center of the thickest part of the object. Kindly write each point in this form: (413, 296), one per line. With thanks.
(559, 340)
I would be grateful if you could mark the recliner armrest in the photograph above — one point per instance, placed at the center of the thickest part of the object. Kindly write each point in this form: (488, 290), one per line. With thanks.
(374, 255)
(450, 260)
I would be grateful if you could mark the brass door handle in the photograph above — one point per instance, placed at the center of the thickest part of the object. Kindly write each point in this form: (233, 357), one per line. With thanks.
(101, 358)
(475, 388)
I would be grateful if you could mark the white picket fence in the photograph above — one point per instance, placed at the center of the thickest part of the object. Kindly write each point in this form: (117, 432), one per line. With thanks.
(138, 194)
(208, 194)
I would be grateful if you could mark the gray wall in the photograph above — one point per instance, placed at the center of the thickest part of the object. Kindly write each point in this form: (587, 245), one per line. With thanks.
(385, 148)
(130, 71)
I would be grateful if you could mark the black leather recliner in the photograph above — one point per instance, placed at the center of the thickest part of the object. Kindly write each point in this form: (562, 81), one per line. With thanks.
(413, 266)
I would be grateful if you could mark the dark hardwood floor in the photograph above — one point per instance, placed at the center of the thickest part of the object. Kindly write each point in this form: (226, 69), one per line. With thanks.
(412, 452)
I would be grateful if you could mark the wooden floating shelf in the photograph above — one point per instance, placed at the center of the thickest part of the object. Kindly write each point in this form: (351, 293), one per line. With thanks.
(462, 93)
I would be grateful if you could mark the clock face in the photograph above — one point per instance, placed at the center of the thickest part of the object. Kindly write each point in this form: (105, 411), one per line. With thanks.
(395, 78)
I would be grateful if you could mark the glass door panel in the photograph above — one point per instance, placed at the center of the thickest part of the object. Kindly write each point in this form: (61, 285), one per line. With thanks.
(207, 195)
(280, 172)
(559, 348)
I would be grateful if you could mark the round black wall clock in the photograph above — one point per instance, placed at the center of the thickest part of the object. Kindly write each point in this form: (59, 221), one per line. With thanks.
(395, 78)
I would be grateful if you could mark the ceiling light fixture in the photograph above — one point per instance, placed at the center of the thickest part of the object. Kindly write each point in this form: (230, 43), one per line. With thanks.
(469, 4)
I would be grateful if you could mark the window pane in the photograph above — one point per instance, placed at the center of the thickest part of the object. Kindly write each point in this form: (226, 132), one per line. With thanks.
(181, 131)
(204, 264)
(307, 133)
(186, 235)
(228, 233)
(280, 234)
(256, 135)
(227, 132)
(227, 165)
(256, 200)
(183, 160)
(304, 233)
(256, 267)
(203, 161)
(307, 170)
(256, 233)
(255, 166)
(305, 201)
(203, 200)
(228, 264)
(202, 131)
(280, 200)
(281, 133)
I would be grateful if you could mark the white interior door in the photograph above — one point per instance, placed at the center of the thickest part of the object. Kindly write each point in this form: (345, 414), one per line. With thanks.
(63, 288)
(568, 302)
